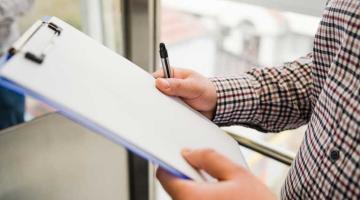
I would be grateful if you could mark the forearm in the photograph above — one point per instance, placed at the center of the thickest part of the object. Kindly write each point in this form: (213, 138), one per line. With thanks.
(269, 99)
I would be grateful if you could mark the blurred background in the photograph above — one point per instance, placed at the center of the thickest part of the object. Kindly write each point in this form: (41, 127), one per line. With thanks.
(213, 37)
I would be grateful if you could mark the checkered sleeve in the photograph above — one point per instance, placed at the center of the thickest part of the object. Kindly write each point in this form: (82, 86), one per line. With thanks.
(14, 8)
(267, 99)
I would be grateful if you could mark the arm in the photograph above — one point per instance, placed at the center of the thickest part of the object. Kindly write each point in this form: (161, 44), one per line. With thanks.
(270, 99)
(14, 8)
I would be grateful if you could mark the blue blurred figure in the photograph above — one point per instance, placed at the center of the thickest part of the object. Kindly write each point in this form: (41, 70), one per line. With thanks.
(12, 105)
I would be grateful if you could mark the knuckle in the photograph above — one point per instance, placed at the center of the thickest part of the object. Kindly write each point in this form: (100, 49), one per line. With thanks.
(159, 71)
(157, 74)
(237, 170)
(184, 194)
(183, 71)
(207, 153)
(158, 174)
(190, 71)
(176, 85)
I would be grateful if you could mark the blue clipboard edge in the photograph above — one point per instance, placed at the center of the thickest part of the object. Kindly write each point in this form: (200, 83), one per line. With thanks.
(83, 121)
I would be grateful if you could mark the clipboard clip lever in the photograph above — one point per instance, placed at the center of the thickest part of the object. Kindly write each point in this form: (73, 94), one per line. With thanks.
(55, 28)
(39, 59)
(35, 58)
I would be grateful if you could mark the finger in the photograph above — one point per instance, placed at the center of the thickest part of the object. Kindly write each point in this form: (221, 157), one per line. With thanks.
(213, 163)
(158, 74)
(178, 87)
(178, 73)
(173, 185)
(182, 73)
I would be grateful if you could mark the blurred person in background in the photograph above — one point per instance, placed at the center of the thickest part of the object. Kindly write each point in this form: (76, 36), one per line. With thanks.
(12, 105)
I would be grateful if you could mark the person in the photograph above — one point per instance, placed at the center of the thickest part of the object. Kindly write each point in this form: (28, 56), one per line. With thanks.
(321, 89)
(11, 104)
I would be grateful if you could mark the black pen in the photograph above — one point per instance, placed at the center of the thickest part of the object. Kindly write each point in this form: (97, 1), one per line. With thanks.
(165, 61)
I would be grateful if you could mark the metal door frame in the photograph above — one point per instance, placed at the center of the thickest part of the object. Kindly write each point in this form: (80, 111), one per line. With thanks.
(140, 38)
(138, 35)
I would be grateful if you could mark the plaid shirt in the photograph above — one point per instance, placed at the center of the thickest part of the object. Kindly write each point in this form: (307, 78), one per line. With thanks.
(321, 89)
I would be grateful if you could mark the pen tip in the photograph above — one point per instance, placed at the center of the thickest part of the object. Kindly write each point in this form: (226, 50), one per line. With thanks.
(162, 45)
(163, 51)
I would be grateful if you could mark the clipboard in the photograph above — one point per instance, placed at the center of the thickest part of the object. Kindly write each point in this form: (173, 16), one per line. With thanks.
(104, 92)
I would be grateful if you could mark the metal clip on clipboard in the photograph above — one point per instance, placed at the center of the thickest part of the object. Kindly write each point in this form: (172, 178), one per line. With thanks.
(39, 59)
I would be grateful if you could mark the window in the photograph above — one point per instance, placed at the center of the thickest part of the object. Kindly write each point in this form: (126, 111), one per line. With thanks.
(69, 11)
(100, 19)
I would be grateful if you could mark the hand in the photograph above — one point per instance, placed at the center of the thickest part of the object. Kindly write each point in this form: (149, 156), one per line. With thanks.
(194, 89)
(234, 181)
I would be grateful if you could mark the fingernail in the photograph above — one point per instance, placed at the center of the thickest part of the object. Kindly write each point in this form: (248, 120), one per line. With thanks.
(185, 152)
(164, 83)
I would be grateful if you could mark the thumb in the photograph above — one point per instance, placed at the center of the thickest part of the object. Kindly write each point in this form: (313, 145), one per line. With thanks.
(178, 87)
(213, 163)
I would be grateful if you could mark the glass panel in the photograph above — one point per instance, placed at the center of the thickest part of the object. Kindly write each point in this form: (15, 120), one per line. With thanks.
(308, 7)
(107, 22)
(222, 37)
(69, 11)
(113, 25)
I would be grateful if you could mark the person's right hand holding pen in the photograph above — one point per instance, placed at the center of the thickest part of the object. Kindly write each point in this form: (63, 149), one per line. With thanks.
(194, 89)
(235, 182)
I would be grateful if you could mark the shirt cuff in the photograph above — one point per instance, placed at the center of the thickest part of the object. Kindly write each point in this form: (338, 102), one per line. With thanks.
(237, 101)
